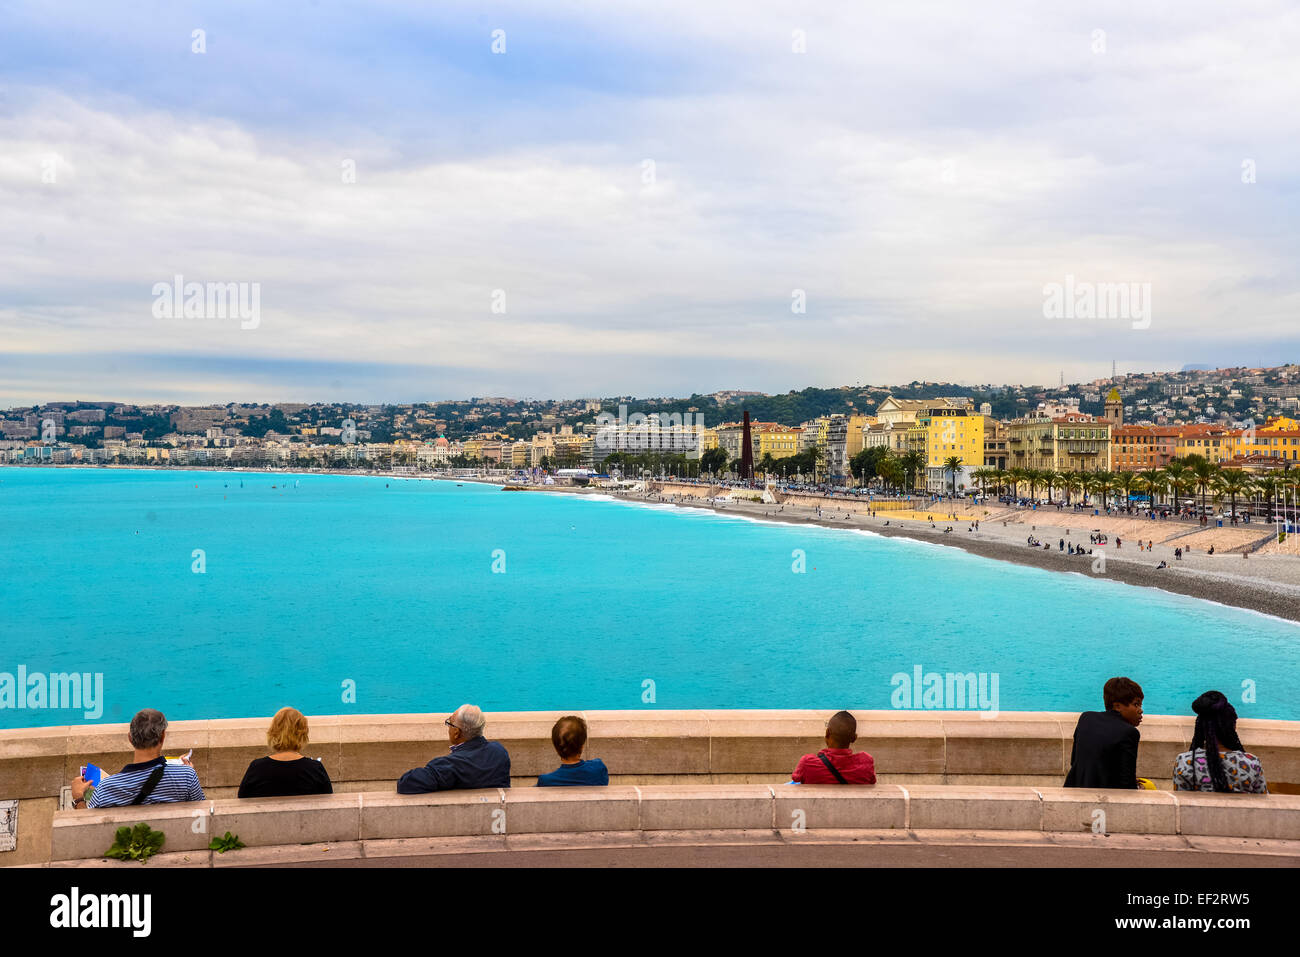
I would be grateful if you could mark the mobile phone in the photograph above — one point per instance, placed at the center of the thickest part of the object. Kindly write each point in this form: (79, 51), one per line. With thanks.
(183, 758)
(91, 774)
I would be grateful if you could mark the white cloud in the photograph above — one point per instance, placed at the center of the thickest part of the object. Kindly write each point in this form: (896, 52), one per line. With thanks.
(920, 177)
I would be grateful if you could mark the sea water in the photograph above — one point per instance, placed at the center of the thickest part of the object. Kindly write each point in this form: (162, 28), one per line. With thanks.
(225, 594)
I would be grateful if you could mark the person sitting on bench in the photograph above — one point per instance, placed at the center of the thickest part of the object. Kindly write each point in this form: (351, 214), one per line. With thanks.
(836, 763)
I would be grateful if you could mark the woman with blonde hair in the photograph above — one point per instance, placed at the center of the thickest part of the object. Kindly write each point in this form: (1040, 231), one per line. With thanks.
(285, 771)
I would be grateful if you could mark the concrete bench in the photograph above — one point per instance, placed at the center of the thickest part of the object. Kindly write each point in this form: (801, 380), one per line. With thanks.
(387, 816)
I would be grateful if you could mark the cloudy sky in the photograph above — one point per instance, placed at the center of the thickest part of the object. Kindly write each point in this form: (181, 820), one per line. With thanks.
(634, 197)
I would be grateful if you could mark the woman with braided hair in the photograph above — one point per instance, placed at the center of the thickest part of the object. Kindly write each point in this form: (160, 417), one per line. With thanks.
(1217, 760)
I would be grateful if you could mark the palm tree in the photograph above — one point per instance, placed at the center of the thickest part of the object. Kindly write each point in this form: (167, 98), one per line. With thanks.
(1233, 482)
(913, 462)
(1069, 482)
(1203, 471)
(982, 476)
(1097, 483)
(953, 464)
(1267, 487)
(1051, 479)
(891, 472)
(1126, 480)
(1180, 479)
(1154, 482)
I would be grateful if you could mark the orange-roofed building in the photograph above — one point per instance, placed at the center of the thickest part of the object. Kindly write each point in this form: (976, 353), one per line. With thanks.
(1138, 448)
(1216, 443)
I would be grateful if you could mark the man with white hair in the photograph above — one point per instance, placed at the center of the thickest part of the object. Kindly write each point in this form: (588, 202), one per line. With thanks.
(474, 762)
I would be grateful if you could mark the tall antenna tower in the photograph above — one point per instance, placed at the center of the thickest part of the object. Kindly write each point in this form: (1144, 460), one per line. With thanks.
(1112, 369)
(1062, 378)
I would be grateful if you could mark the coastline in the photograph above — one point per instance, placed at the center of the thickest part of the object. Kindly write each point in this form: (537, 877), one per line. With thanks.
(1275, 596)
(1276, 599)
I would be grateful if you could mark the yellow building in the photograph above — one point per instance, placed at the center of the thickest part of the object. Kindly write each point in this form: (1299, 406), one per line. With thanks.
(771, 438)
(1279, 439)
(778, 441)
(1214, 442)
(942, 432)
(1067, 443)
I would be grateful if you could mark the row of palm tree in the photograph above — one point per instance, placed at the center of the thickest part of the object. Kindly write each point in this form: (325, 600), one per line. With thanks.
(1187, 476)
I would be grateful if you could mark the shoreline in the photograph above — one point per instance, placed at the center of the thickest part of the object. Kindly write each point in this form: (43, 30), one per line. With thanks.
(1272, 598)
(1277, 599)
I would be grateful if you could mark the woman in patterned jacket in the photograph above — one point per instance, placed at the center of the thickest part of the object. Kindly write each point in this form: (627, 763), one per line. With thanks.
(1217, 761)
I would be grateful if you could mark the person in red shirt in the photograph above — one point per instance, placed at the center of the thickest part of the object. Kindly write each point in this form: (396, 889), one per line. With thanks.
(836, 763)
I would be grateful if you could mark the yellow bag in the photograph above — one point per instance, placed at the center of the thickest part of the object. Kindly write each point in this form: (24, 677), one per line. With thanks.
(1146, 784)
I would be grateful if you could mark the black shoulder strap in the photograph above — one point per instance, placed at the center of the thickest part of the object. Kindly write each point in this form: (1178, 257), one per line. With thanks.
(832, 768)
(150, 784)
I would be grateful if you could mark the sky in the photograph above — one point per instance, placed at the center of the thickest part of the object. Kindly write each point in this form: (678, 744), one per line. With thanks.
(648, 198)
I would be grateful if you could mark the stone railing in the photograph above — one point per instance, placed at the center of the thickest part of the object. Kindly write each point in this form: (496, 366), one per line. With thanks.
(385, 824)
(368, 753)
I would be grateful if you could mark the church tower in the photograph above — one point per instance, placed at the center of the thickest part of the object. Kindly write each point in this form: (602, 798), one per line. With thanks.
(1114, 409)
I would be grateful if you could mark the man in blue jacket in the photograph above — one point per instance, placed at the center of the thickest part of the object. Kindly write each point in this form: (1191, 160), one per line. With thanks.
(474, 762)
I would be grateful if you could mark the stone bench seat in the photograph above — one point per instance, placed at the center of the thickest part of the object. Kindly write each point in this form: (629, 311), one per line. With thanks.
(387, 816)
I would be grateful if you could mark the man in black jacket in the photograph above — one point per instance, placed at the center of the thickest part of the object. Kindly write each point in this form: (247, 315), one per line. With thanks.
(1106, 742)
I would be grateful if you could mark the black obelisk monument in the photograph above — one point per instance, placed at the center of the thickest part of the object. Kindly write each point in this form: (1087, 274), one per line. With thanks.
(746, 453)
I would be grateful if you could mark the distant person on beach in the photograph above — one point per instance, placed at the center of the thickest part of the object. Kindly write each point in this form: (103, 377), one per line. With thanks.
(474, 761)
(837, 763)
(569, 737)
(285, 771)
(149, 778)
(1217, 760)
(1105, 748)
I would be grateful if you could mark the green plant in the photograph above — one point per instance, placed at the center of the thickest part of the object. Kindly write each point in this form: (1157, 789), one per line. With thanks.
(136, 844)
(230, 842)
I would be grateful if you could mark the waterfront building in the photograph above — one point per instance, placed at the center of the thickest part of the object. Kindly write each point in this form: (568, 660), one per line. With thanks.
(1068, 443)
(941, 432)
(995, 442)
(1138, 448)
(893, 412)
(778, 441)
(1217, 443)
(843, 440)
(1279, 439)
(768, 438)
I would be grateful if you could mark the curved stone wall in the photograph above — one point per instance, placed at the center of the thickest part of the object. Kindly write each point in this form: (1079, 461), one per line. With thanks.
(369, 752)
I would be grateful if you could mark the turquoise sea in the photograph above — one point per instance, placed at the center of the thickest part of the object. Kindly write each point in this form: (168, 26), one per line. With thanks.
(312, 582)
